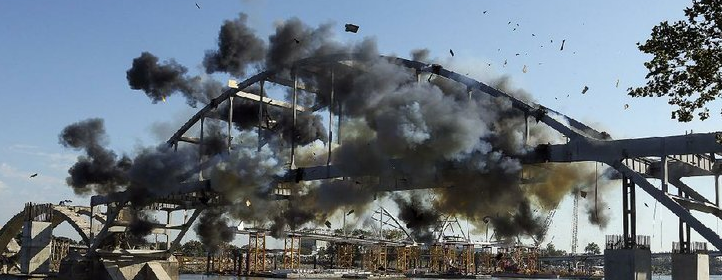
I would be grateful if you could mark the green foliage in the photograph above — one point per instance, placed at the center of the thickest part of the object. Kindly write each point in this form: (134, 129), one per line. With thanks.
(592, 249)
(687, 61)
(193, 248)
(550, 250)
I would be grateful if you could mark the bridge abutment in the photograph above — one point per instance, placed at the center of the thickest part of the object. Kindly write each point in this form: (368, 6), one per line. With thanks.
(692, 266)
(628, 264)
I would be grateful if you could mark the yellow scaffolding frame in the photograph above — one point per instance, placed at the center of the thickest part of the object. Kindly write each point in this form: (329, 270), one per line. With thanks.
(467, 259)
(291, 252)
(345, 253)
(256, 252)
(449, 257)
(375, 257)
(436, 254)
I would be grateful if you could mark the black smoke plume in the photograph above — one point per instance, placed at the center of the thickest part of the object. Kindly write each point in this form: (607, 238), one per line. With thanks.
(99, 170)
(238, 47)
(419, 217)
(213, 229)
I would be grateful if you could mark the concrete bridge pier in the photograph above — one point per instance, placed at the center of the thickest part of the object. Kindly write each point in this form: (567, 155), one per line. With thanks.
(35, 250)
(692, 266)
(690, 260)
(628, 264)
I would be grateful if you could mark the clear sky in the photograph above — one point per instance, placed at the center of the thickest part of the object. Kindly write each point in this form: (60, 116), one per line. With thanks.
(62, 62)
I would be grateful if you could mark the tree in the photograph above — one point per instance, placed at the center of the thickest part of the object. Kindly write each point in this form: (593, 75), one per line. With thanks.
(193, 248)
(687, 61)
(552, 251)
(592, 249)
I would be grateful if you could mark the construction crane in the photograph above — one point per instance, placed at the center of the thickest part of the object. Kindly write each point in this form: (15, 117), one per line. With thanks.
(575, 221)
(545, 229)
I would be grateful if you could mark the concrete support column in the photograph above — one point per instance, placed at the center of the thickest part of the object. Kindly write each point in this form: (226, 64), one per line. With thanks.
(690, 267)
(627, 264)
(35, 251)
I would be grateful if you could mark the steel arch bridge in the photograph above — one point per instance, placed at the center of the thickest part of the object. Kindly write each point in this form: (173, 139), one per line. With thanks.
(636, 160)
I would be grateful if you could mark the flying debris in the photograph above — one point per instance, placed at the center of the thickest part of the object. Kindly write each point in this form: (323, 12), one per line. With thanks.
(34, 175)
(351, 28)
(328, 224)
(504, 63)
(562, 48)
(583, 194)
(484, 12)
(586, 88)
(198, 6)
(65, 202)
(350, 212)
(617, 86)
(296, 40)
(533, 35)
(451, 52)
(626, 106)
(645, 204)
(517, 54)
(524, 69)
(248, 203)
(508, 23)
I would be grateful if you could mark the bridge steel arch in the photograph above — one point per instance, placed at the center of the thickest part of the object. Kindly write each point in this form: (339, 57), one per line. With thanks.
(636, 160)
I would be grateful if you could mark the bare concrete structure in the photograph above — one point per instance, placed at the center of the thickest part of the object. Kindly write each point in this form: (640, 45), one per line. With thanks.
(35, 250)
(627, 264)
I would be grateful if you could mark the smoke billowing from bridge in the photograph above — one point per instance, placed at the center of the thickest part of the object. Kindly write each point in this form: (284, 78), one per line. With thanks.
(462, 146)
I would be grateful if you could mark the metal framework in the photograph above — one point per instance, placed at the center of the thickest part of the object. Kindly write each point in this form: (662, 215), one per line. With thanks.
(344, 255)
(291, 253)
(256, 253)
(375, 257)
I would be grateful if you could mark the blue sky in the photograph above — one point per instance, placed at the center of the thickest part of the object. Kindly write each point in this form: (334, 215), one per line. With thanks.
(62, 62)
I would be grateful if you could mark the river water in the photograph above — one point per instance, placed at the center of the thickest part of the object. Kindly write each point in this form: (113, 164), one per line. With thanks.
(214, 277)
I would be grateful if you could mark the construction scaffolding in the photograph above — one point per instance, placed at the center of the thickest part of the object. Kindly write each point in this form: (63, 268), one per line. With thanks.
(291, 252)
(375, 257)
(450, 262)
(436, 258)
(345, 253)
(467, 259)
(256, 252)
(402, 257)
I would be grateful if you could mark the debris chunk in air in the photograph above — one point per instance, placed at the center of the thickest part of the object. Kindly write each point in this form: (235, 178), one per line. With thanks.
(34, 175)
(626, 106)
(583, 193)
(351, 28)
(451, 52)
(296, 40)
(198, 6)
(524, 69)
(617, 83)
(586, 88)
(328, 224)
(562, 48)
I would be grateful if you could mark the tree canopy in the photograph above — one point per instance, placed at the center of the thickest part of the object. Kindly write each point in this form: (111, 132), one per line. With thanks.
(592, 249)
(687, 61)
